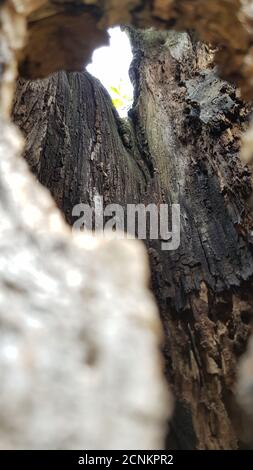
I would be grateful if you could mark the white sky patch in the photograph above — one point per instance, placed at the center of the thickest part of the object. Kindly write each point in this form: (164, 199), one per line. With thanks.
(110, 64)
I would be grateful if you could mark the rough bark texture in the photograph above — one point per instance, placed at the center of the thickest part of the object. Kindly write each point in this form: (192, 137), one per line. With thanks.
(62, 33)
(180, 145)
(79, 362)
(80, 333)
(226, 314)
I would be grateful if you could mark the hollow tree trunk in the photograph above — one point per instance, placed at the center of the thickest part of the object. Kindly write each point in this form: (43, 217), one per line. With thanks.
(179, 145)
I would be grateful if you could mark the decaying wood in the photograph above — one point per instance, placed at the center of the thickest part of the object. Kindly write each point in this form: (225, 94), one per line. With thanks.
(69, 335)
(63, 339)
(205, 293)
(62, 34)
(180, 145)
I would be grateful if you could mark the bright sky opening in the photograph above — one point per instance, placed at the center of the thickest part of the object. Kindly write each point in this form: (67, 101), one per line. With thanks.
(110, 64)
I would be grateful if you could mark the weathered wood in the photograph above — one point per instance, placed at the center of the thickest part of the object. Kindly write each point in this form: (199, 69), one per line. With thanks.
(180, 145)
(69, 332)
(62, 339)
(61, 35)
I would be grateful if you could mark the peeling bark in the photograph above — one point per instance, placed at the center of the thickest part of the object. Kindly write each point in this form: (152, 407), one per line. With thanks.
(180, 145)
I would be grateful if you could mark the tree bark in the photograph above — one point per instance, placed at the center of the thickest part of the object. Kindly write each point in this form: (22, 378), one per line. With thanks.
(180, 145)
(61, 340)
(61, 34)
(71, 328)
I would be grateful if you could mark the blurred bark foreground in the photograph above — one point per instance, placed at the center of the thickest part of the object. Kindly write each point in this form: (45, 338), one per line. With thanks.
(181, 144)
(80, 334)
